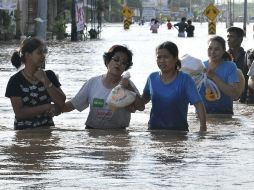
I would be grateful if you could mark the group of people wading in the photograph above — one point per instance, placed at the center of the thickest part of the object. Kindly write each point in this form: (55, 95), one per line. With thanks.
(36, 95)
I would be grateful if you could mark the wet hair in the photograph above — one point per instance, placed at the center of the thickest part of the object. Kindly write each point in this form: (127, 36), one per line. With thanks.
(172, 49)
(183, 19)
(226, 56)
(27, 46)
(238, 31)
(189, 21)
(107, 56)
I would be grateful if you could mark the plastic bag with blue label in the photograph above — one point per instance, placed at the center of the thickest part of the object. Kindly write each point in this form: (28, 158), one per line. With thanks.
(212, 92)
(196, 69)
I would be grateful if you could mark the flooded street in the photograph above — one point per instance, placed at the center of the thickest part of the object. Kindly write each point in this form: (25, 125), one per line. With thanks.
(69, 156)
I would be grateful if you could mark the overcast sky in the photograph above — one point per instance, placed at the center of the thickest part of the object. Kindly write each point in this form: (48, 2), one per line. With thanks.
(236, 1)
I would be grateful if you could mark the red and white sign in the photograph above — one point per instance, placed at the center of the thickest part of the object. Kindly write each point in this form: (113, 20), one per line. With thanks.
(79, 12)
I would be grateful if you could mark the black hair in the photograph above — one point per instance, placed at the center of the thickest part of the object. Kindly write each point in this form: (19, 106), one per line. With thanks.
(189, 21)
(183, 19)
(238, 31)
(27, 46)
(107, 56)
(172, 48)
(226, 56)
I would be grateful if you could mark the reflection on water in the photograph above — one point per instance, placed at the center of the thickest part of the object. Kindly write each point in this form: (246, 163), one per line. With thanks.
(31, 149)
(70, 157)
(170, 146)
(114, 148)
(28, 156)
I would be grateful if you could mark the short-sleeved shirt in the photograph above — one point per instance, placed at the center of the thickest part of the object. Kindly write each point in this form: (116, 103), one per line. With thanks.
(241, 64)
(32, 95)
(94, 94)
(170, 101)
(190, 30)
(226, 71)
(181, 26)
(154, 27)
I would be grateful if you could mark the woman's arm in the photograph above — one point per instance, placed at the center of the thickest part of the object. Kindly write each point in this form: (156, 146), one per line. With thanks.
(56, 94)
(23, 112)
(201, 115)
(251, 83)
(228, 89)
(138, 104)
(68, 107)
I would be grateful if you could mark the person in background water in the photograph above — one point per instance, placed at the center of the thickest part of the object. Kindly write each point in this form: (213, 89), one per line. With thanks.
(249, 59)
(223, 73)
(154, 26)
(181, 27)
(141, 21)
(152, 21)
(169, 24)
(96, 90)
(190, 29)
(33, 90)
(234, 38)
(170, 92)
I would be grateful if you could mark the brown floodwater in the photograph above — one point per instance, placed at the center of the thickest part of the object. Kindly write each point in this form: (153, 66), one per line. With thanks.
(69, 156)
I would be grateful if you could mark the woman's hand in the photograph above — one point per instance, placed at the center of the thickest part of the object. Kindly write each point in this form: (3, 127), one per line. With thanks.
(131, 108)
(53, 110)
(210, 73)
(124, 82)
(41, 75)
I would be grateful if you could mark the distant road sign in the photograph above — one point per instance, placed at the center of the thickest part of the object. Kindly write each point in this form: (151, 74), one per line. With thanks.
(211, 12)
(212, 28)
(127, 12)
(127, 23)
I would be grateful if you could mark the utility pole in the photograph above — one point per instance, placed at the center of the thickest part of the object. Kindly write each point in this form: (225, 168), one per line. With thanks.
(233, 14)
(18, 22)
(230, 13)
(74, 34)
(245, 17)
(30, 21)
(109, 10)
(41, 25)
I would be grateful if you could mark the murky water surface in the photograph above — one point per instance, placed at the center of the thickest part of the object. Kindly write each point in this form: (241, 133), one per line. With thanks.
(71, 157)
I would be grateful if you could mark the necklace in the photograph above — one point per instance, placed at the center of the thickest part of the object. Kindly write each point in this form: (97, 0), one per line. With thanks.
(29, 78)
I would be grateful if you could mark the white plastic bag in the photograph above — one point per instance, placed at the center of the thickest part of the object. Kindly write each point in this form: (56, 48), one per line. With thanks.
(212, 92)
(194, 67)
(120, 97)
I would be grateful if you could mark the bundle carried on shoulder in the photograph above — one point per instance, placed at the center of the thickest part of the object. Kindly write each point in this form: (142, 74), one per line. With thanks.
(120, 97)
(196, 69)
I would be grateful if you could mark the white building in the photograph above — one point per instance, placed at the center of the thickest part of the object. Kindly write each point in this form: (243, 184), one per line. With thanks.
(154, 8)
